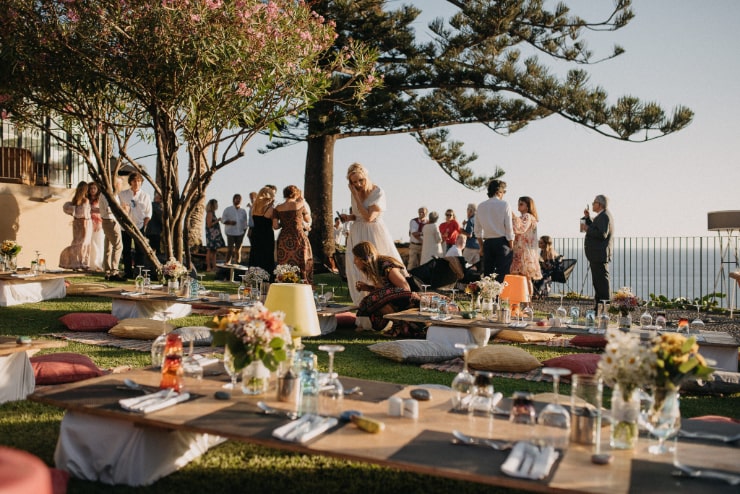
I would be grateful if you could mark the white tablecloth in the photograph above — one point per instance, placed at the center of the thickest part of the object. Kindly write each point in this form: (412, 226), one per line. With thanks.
(16, 377)
(118, 452)
(124, 309)
(26, 292)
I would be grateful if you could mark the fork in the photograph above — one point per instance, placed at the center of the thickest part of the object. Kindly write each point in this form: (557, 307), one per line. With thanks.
(706, 474)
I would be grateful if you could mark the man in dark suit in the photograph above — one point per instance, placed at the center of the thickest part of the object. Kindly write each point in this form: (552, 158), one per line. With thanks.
(598, 247)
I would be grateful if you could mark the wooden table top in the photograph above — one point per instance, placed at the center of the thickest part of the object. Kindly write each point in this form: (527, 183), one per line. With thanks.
(8, 345)
(708, 338)
(23, 276)
(422, 445)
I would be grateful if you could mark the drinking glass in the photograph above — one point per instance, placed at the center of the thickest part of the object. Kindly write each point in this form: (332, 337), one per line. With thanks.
(575, 314)
(683, 325)
(585, 405)
(528, 312)
(331, 391)
(230, 369)
(241, 290)
(481, 402)
(201, 286)
(146, 284)
(424, 303)
(139, 280)
(463, 382)
(660, 320)
(190, 365)
(697, 325)
(320, 300)
(158, 345)
(522, 408)
(555, 418)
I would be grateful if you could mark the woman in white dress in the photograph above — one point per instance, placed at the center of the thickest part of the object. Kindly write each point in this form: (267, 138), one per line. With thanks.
(368, 204)
(431, 243)
(96, 241)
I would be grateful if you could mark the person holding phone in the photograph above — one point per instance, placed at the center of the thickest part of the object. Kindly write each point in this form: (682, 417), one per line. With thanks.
(598, 247)
(368, 204)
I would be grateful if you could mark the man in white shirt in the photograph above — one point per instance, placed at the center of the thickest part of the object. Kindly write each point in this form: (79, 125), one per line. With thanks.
(415, 238)
(235, 223)
(138, 206)
(495, 231)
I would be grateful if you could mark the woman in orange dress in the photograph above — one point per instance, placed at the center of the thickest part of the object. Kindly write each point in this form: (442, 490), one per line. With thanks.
(293, 246)
(526, 261)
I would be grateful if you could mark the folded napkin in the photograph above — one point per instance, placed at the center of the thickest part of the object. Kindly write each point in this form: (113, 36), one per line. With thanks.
(518, 325)
(304, 429)
(20, 275)
(187, 299)
(156, 287)
(154, 401)
(527, 461)
(497, 397)
(131, 294)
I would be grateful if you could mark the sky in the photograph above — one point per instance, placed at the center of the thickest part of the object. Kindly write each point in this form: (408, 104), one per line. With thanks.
(678, 52)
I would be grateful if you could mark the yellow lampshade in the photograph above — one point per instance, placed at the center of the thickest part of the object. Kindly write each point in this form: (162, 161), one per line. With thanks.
(296, 301)
(516, 289)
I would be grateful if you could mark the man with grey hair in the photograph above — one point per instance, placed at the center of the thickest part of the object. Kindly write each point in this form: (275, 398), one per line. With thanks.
(598, 247)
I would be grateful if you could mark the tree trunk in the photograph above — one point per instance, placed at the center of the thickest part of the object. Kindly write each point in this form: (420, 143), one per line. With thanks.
(318, 186)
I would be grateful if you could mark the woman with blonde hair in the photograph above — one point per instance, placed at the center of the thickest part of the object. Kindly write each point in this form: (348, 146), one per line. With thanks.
(368, 204)
(293, 246)
(387, 289)
(214, 238)
(262, 248)
(77, 255)
(526, 260)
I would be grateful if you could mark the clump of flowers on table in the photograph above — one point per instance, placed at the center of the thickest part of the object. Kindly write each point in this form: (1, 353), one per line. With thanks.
(10, 248)
(254, 334)
(624, 301)
(287, 273)
(489, 287)
(626, 366)
(173, 269)
(676, 359)
(472, 289)
(256, 275)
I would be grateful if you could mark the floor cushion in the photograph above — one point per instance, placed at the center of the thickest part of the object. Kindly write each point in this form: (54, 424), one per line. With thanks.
(523, 336)
(63, 367)
(88, 321)
(346, 320)
(576, 363)
(200, 335)
(415, 351)
(502, 358)
(140, 328)
(589, 341)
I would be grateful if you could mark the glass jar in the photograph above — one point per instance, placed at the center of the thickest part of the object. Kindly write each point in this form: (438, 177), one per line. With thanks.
(172, 371)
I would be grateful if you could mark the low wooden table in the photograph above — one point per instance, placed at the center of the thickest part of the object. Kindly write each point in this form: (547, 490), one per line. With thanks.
(16, 374)
(23, 288)
(422, 445)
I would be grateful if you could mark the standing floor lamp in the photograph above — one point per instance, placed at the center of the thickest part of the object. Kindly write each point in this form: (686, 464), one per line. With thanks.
(726, 221)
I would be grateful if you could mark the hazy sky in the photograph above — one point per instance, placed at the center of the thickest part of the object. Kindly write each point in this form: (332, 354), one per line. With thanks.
(678, 52)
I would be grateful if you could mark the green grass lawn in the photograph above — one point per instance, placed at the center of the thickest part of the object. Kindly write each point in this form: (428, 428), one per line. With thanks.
(237, 467)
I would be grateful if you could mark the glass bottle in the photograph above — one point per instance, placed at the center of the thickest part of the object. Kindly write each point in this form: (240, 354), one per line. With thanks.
(309, 400)
(172, 371)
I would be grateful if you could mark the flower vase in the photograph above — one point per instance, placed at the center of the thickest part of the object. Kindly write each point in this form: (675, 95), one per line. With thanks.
(255, 378)
(663, 417)
(486, 307)
(625, 415)
(625, 321)
(173, 287)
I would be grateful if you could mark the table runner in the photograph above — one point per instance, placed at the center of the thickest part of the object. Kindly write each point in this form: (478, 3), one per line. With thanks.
(649, 476)
(435, 449)
(372, 391)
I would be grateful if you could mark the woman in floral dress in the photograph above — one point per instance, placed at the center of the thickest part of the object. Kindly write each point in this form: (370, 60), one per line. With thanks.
(526, 260)
(214, 238)
(77, 255)
(293, 246)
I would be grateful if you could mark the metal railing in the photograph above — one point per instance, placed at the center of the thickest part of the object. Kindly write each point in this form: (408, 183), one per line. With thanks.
(690, 267)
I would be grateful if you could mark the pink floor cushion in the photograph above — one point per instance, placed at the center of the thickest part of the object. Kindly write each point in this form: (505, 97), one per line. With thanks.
(717, 418)
(576, 363)
(588, 341)
(59, 480)
(88, 321)
(346, 320)
(63, 367)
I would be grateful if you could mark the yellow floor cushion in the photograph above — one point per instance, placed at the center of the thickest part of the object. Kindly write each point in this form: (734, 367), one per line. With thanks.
(140, 328)
(502, 358)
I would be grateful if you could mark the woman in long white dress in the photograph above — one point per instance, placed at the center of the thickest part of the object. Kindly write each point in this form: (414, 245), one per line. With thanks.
(96, 240)
(368, 204)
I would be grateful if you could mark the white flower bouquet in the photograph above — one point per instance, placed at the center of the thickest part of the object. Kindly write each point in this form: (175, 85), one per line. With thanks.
(173, 269)
(287, 273)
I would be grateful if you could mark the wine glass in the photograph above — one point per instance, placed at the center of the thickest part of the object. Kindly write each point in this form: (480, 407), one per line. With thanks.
(240, 291)
(604, 316)
(482, 402)
(662, 420)
(528, 312)
(463, 382)
(697, 325)
(424, 304)
(320, 301)
(158, 345)
(660, 320)
(230, 369)
(590, 319)
(146, 284)
(555, 418)
(139, 280)
(201, 286)
(645, 318)
(560, 312)
(331, 391)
